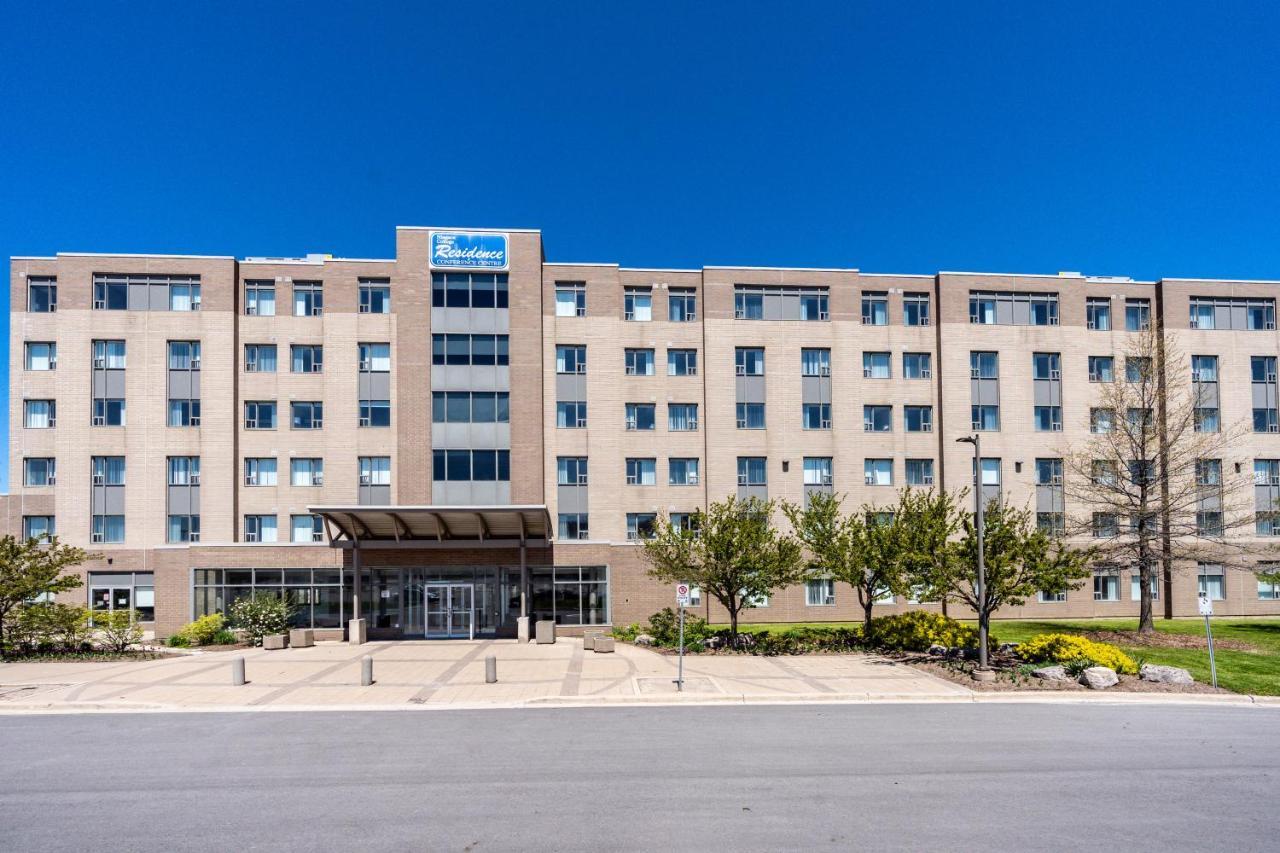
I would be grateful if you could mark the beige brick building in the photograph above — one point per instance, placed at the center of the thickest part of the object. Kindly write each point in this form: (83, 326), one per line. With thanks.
(495, 431)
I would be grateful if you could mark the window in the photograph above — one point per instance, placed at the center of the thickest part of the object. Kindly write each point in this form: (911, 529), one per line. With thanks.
(990, 472)
(875, 365)
(374, 296)
(107, 470)
(39, 414)
(107, 529)
(108, 411)
(469, 290)
(1050, 597)
(1105, 525)
(306, 358)
(637, 304)
(1268, 590)
(573, 525)
(1048, 418)
(374, 358)
(759, 302)
(1209, 524)
(915, 309)
(755, 601)
(682, 304)
(571, 301)
(571, 470)
(1205, 419)
(306, 414)
(569, 595)
(1046, 366)
(752, 471)
(815, 362)
(571, 414)
(1103, 472)
(1101, 368)
(259, 414)
(39, 471)
(750, 415)
(373, 470)
(917, 365)
(919, 472)
(306, 528)
(682, 417)
(820, 593)
(877, 418)
(109, 355)
(184, 413)
(682, 362)
(571, 359)
(1052, 523)
(641, 525)
(260, 358)
(260, 528)
(1239, 314)
(260, 298)
(134, 592)
(260, 471)
(146, 292)
(641, 416)
(681, 522)
(306, 471)
(817, 470)
(183, 470)
(470, 350)
(1097, 313)
(918, 418)
(642, 472)
(875, 308)
(1137, 315)
(308, 299)
(749, 361)
(639, 362)
(315, 592)
(748, 303)
(41, 355)
(1135, 587)
(1137, 368)
(1048, 472)
(1013, 309)
(816, 415)
(877, 472)
(1204, 368)
(480, 407)
(682, 472)
(38, 527)
(42, 295)
(1212, 582)
(985, 418)
(1100, 420)
(374, 413)
(183, 528)
(471, 465)
(1106, 587)
(1140, 420)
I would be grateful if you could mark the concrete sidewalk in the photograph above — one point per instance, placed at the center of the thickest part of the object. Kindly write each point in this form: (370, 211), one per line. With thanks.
(450, 674)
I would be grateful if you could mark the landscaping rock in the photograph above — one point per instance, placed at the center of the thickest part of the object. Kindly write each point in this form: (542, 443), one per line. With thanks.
(937, 650)
(1052, 673)
(644, 640)
(1099, 678)
(1165, 674)
(1007, 648)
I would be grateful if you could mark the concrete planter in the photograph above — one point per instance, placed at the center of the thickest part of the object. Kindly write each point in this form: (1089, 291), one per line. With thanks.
(590, 636)
(545, 632)
(275, 642)
(603, 645)
(302, 638)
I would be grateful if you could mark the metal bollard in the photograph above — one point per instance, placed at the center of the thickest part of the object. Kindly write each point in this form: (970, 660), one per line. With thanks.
(366, 671)
(491, 670)
(237, 672)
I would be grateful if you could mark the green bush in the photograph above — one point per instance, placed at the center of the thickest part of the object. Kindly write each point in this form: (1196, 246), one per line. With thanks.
(917, 630)
(50, 626)
(225, 637)
(178, 641)
(1067, 649)
(626, 633)
(200, 632)
(803, 640)
(117, 630)
(664, 627)
(261, 614)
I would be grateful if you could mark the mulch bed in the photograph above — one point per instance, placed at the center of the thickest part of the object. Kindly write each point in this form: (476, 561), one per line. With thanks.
(1166, 641)
(85, 657)
(960, 672)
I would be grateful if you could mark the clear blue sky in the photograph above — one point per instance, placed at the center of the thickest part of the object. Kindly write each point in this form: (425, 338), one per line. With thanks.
(1111, 138)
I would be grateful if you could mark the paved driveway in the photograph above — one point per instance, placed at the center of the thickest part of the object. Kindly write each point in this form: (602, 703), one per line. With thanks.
(451, 673)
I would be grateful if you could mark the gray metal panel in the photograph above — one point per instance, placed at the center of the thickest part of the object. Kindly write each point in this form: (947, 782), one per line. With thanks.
(1048, 392)
(180, 500)
(816, 389)
(985, 392)
(746, 492)
(815, 490)
(139, 300)
(453, 377)
(750, 389)
(193, 498)
(772, 306)
(790, 305)
(159, 297)
(378, 386)
(1222, 316)
(571, 387)
(1264, 498)
(990, 493)
(471, 493)
(115, 383)
(475, 320)
(458, 436)
(180, 385)
(1209, 501)
(571, 498)
(1207, 395)
(100, 383)
(380, 495)
(1004, 312)
(1049, 499)
(114, 500)
(98, 500)
(195, 385)
(1239, 317)
(1021, 312)
(1264, 395)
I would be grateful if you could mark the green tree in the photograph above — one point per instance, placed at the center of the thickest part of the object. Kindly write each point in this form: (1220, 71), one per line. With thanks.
(1019, 560)
(929, 520)
(29, 569)
(732, 552)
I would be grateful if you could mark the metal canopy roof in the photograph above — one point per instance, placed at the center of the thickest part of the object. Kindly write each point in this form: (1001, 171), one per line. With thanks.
(386, 526)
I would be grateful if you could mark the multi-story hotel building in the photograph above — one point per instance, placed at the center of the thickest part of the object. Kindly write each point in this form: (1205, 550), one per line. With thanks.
(443, 441)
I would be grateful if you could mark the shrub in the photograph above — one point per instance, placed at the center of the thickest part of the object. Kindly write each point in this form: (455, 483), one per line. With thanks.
(664, 627)
(117, 630)
(1066, 649)
(225, 637)
(626, 633)
(261, 614)
(178, 641)
(200, 632)
(917, 630)
(799, 641)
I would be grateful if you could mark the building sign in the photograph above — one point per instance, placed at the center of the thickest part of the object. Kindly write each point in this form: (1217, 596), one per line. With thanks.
(462, 250)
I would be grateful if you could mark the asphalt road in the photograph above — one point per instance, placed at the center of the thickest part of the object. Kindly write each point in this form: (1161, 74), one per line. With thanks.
(899, 777)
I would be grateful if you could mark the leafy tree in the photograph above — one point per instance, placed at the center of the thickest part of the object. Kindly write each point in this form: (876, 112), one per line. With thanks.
(929, 520)
(1151, 484)
(732, 552)
(29, 569)
(1019, 560)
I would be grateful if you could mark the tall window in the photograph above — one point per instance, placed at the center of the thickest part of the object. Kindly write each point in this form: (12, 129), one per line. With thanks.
(637, 304)
(875, 365)
(40, 355)
(815, 362)
(42, 294)
(682, 304)
(682, 417)
(917, 365)
(1097, 313)
(571, 299)
(915, 309)
(875, 308)
(1137, 314)
(749, 361)
(260, 358)
(260, 298)
(308, 299)
(306, 471)
(374, 296)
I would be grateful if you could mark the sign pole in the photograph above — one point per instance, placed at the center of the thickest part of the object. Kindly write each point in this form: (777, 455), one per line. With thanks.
(682, 601)
(1206, 607)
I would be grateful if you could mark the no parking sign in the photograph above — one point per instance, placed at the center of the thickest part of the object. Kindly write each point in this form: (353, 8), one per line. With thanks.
(682, 595)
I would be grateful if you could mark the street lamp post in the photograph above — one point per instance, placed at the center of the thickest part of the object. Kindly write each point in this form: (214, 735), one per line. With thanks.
(976, 441)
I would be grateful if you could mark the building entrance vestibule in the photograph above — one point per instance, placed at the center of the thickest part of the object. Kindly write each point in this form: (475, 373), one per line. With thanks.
(451, 612)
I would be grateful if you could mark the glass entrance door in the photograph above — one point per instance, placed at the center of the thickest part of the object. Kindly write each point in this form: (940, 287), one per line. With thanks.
(450, 610)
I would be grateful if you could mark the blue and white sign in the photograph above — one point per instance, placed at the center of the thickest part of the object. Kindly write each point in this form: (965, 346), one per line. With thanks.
(463, 250)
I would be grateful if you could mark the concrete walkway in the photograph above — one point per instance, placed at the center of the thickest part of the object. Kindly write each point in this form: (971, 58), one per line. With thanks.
(450, 674)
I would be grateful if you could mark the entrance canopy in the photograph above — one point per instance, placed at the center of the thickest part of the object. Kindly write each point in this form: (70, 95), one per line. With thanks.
(370, 527)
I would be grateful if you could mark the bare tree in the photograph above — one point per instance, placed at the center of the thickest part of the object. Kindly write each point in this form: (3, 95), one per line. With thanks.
(1152, 486)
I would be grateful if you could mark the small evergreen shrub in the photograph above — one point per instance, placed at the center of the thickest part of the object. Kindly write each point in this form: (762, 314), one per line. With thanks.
(917, 630)
(1066, 649)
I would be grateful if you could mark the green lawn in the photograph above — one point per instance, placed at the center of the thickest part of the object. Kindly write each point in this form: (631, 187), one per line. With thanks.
(1244, 672)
